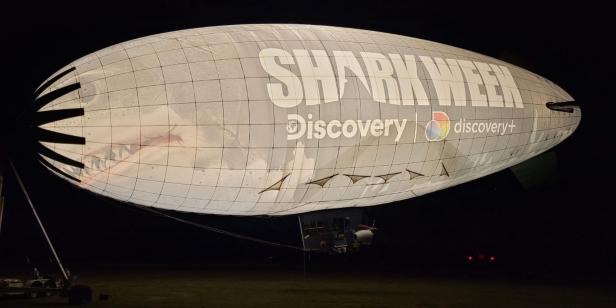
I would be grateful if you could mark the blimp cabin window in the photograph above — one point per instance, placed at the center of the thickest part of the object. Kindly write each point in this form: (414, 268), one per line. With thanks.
(313, 227)
(323, 226)
(318, 226)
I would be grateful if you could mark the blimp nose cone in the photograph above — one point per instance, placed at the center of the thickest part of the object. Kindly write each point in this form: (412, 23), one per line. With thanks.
(54, 124)
(557, 114)
(562, 101)
(564, 109)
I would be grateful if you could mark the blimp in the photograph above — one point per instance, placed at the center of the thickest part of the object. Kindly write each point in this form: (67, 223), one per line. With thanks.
(284, 119)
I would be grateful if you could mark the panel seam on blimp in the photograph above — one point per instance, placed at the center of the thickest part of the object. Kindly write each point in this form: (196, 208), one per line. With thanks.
(132, 194)
(355, 147)
(224, 130)
(249, 123)
(192, 82)
(111, 130)
(111, 141)
(167, 100)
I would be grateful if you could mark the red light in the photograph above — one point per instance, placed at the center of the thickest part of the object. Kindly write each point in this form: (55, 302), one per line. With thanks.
(469, 258)
(492, 258)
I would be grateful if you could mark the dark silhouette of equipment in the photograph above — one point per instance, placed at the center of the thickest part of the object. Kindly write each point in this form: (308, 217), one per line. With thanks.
(38, 285)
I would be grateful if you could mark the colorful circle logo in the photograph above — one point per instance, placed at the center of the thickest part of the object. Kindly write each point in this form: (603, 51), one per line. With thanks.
(437, 128)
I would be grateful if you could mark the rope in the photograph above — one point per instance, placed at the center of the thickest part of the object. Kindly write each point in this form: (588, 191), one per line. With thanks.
(40, 223)
(153, 211)
(220, 231)
(205, 227)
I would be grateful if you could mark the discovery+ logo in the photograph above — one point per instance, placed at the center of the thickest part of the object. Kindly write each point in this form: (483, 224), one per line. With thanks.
(438, 128)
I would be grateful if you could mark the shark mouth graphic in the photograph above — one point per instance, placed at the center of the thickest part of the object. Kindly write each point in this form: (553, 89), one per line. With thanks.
(37, 118)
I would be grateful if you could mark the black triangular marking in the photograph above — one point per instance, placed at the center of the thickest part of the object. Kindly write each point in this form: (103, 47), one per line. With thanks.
(444, 170)
(44, 117)
(323, 181)
(277, 185)
(45, 99)
(42, 134)
(356, 178)
(51, 81)
(56, 169)
(43, 150)
(413, 174)
(387, 177)
(563, 106)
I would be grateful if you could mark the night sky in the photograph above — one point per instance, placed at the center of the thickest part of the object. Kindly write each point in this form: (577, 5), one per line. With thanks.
(565, 226)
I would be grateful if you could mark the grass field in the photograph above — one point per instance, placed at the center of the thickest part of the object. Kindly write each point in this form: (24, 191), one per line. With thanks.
(259, 289)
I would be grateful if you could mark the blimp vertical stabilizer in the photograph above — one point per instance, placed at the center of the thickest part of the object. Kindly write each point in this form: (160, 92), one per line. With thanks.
(285, 119)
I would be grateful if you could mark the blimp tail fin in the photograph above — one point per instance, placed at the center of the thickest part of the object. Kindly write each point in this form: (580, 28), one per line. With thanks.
(538, 172)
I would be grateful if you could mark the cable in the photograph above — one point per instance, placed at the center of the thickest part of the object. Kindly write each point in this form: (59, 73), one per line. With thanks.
(220, 231)
(208, 228)
(40, 223)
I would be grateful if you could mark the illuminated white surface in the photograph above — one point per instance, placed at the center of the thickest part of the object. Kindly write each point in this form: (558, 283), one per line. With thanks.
(197, 120)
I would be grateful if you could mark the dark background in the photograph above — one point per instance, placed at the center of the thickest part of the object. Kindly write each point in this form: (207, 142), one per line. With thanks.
(565, 228)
